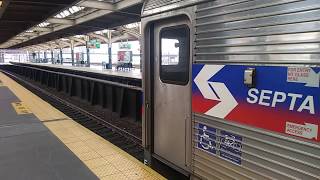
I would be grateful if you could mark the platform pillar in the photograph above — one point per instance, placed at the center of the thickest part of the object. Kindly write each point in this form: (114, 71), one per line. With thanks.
(72, 57)
(38, 56)
(88, 54)
(61, 57)
(72, 52)
(45, 55)
(1, 58)
(52, 60)
(28, 56)
(109, 66)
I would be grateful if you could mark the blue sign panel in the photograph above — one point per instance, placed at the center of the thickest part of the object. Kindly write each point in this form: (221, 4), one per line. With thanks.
(206, 138)
(230, 147)
(279, 99)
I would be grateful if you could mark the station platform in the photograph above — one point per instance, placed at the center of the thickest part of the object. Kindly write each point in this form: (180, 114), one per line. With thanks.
(39, 142)
(134, 73)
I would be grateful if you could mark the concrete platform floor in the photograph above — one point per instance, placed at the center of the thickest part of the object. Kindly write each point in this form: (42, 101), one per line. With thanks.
(102, 158)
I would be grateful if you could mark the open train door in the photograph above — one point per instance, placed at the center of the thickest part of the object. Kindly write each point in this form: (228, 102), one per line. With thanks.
(172, 91)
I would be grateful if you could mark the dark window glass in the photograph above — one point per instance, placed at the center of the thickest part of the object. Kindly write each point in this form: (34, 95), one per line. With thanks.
(174, 55)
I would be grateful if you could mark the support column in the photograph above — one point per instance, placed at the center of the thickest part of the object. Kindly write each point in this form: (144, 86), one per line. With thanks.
(72, 52)
(38, 56)
(28, 56)
(1, 58)
(45, 55)
(61, 57)
(52, 57)
(34, 56)
(88, 54)
(109, 66)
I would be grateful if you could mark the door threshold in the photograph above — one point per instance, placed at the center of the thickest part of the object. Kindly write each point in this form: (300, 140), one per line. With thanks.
(170, 165)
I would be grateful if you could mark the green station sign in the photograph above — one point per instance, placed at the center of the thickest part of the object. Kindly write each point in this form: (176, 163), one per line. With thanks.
(94, 44)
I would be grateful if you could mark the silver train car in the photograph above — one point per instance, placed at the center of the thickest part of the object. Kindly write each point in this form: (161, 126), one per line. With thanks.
(231, 87)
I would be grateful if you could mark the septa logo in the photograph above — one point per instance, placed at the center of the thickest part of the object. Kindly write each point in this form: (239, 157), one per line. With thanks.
(215, 91)
(272, 99)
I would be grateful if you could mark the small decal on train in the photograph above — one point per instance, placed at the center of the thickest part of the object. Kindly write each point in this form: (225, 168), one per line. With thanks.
(207, 138)
(278, 94)
(229, 146)
(306, 130)
(305, 75)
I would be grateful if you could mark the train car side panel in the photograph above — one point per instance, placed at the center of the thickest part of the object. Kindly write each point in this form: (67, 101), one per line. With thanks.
(268, 128)
(271, 31)
(255, 86)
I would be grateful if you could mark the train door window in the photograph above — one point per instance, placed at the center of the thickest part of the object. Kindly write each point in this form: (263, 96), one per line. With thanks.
(174, 55)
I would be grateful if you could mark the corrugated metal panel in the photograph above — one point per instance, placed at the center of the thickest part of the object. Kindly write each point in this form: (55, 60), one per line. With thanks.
(159, 6)
(152, 4)
(264, 155)
(271, 31)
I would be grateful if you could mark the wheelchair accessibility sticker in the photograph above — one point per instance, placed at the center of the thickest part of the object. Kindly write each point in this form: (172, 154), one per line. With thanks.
(207, 138)
(224, 144)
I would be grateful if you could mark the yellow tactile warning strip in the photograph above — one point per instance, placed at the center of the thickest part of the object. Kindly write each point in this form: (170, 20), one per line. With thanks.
(102, 158)
(43, 110)
(21, 108)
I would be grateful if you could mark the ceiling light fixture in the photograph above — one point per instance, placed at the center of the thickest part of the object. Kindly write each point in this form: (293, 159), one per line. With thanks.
(68, 12)
(44, 24)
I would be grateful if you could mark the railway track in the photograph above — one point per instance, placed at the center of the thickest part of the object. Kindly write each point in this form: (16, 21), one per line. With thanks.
(118, 136)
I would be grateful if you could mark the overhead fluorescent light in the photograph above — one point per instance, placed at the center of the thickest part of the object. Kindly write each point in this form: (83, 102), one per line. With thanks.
(69, 12)
(44, 24)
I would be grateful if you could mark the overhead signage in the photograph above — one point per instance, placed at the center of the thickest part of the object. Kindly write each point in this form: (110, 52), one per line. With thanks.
(284, 99)
(124, 45)
(94, 44)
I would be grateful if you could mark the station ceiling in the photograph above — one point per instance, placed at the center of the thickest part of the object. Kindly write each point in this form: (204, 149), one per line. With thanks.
(16, 16)
(89, 16)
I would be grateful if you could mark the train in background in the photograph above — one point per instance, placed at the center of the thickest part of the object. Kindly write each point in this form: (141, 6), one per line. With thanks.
(231, 87)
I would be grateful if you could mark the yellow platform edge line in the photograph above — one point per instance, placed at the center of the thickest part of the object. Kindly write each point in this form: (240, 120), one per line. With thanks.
(45, 112)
